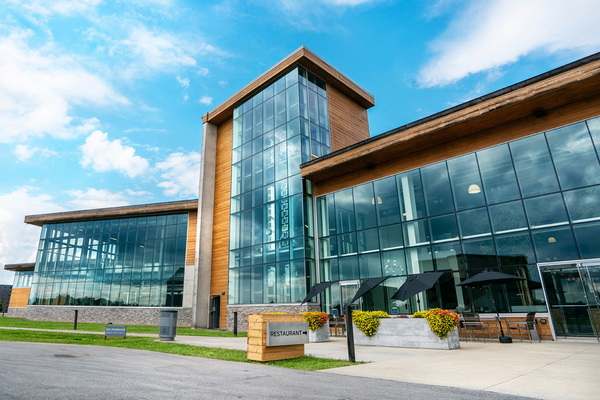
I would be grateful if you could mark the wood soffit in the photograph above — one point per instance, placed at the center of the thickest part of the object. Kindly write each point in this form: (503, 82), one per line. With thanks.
(20, 267)
(532, 98)
(309, 60)
(114, 212)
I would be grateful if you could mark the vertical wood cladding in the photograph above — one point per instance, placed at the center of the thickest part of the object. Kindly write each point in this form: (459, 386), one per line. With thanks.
(348, 121)
(220, 244)
(19, 297)
(560, 116)
(190, 253)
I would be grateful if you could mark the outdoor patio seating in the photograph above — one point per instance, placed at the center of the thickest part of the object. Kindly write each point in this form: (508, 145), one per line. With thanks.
(528, 325)
(472, 323)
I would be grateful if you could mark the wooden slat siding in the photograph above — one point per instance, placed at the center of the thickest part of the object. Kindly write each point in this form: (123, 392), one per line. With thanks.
(348, 121)
(190, 253)
(19, 297)
(220, 245)
(257, 338)
(307, 59)
(572, 86)
(561, 116)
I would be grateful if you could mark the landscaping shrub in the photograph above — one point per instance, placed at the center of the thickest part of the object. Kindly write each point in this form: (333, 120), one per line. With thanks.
(315, 319)
(368, 321)
(442, 322)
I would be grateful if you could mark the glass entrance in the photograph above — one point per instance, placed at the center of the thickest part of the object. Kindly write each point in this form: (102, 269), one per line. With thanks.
(348, 290)
(572, 296)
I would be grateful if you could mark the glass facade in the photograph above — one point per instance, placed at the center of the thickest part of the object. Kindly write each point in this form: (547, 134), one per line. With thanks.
(271, 245)
(505, 208)
(117, 262)
(22, 279)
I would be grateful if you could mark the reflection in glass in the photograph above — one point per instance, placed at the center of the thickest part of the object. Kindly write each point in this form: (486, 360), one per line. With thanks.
(415, 233)
(508, 217)
(466, 184)
(443, 228)
(388, 211)
(546, 211)
(418, 260)
(410, 193)
(436, 186)
(515, 249)
(479, 253)
(474, 223)
(370, 265)
(498, 174)
(574, 156)
(448, 256)
(364, 206)
(587, 239)
(583, 204)
(534, 166)
(348, 268)
(390, 237)
(556, 244)
(393, 262)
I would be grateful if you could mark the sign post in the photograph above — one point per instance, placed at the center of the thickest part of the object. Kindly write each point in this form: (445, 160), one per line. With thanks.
(115, 331)
(350, 334)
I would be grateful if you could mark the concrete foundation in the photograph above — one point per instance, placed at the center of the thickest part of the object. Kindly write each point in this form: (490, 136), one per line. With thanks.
(407, 332)
(101, 315)
(244, 310)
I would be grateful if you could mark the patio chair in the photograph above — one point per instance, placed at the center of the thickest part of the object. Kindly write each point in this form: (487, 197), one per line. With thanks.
(530, 324)
(472, 322)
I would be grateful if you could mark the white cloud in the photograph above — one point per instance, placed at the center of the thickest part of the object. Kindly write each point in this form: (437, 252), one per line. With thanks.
(203, 71)
(222, 83)
(103, 155)
(186, 97)
(39, 86)
(206, 100)
(25, 152)
(181, 173)
(60, 7)
(184, 82)
(100, 198)
(488, 35)
(18, 241)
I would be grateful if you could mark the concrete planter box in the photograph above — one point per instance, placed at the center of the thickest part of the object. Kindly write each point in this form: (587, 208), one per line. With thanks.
(406, 332)
(320, 335)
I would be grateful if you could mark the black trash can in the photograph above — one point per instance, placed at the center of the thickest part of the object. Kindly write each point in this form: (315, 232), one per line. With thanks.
(168, 325)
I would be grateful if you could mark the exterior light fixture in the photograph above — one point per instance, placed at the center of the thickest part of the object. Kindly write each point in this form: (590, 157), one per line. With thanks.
(474, 189)
(551, 239)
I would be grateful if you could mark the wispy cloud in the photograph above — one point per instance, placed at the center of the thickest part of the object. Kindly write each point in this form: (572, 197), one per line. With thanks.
(38, 87)
(180, 174)
(103, 155)
(486, 36)
(101, 198)
(25, 152)
(207, 101)
(184, 82)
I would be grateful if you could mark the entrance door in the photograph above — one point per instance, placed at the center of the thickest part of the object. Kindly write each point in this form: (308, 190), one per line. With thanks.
(572, 297)
(348, 290)
(215, 309)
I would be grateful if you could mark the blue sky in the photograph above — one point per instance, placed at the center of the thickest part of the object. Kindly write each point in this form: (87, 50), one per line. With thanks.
(101, 102)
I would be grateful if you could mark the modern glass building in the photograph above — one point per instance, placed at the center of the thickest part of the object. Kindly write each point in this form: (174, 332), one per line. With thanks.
(294, 191)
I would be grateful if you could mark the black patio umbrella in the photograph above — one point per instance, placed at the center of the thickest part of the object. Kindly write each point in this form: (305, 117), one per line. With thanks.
(488, 277)
(316, 289)
(367, 286)
(415, 284)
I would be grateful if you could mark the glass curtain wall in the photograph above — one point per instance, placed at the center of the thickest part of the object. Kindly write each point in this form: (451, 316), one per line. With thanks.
(505, 208)
(118, 262)
(22, 279)
(271, 257)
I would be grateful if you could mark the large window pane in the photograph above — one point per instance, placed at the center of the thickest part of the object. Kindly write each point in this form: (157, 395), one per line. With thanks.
(347, 244)
(348, 268)
(326, 216)
(546, 211)
(410, 193)
(448, 256)
(390, 237)
(554, 244)
(574, 156)
(364, 206)
(436, 187)
(370, 265)
(583, 204)
(515, 249)
(344, 211)
(508, 217)
(534, 166)
(415, 233)
(498, 175)
(367, 241)
(292, 102)
(474, 223)
(388, 210)
(466, 183)
(587, 239)
(443, 228)
(393, 262)
(480, 253)
(418, 260)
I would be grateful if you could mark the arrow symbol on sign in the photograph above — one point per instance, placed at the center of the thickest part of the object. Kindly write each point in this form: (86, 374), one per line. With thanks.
(305, 333)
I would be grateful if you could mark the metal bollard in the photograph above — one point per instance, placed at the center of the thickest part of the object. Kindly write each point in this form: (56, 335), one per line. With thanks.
(235, 323)
(75, 322)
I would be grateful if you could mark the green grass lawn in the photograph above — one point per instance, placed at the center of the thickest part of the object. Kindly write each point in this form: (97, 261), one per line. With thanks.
(146, 343)
(183, 331)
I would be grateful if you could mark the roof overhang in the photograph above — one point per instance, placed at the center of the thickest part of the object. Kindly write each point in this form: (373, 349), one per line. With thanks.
(113, 212)
(532, 98)
(309, 60)
(20, 267)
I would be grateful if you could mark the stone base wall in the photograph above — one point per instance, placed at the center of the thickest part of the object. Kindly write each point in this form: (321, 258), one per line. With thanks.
(101, 315)
(17, 312)
(243, 312)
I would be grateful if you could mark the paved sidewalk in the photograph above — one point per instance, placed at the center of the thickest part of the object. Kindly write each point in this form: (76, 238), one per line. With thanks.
(547, 370)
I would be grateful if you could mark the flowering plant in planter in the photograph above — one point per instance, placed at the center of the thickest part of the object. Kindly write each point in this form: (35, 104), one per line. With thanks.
(315, 319)
(442, 322)
(368, 321)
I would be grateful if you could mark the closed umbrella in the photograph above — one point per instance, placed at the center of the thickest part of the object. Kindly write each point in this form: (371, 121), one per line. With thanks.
(488, 277)
(316, 289)
(415, 284)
